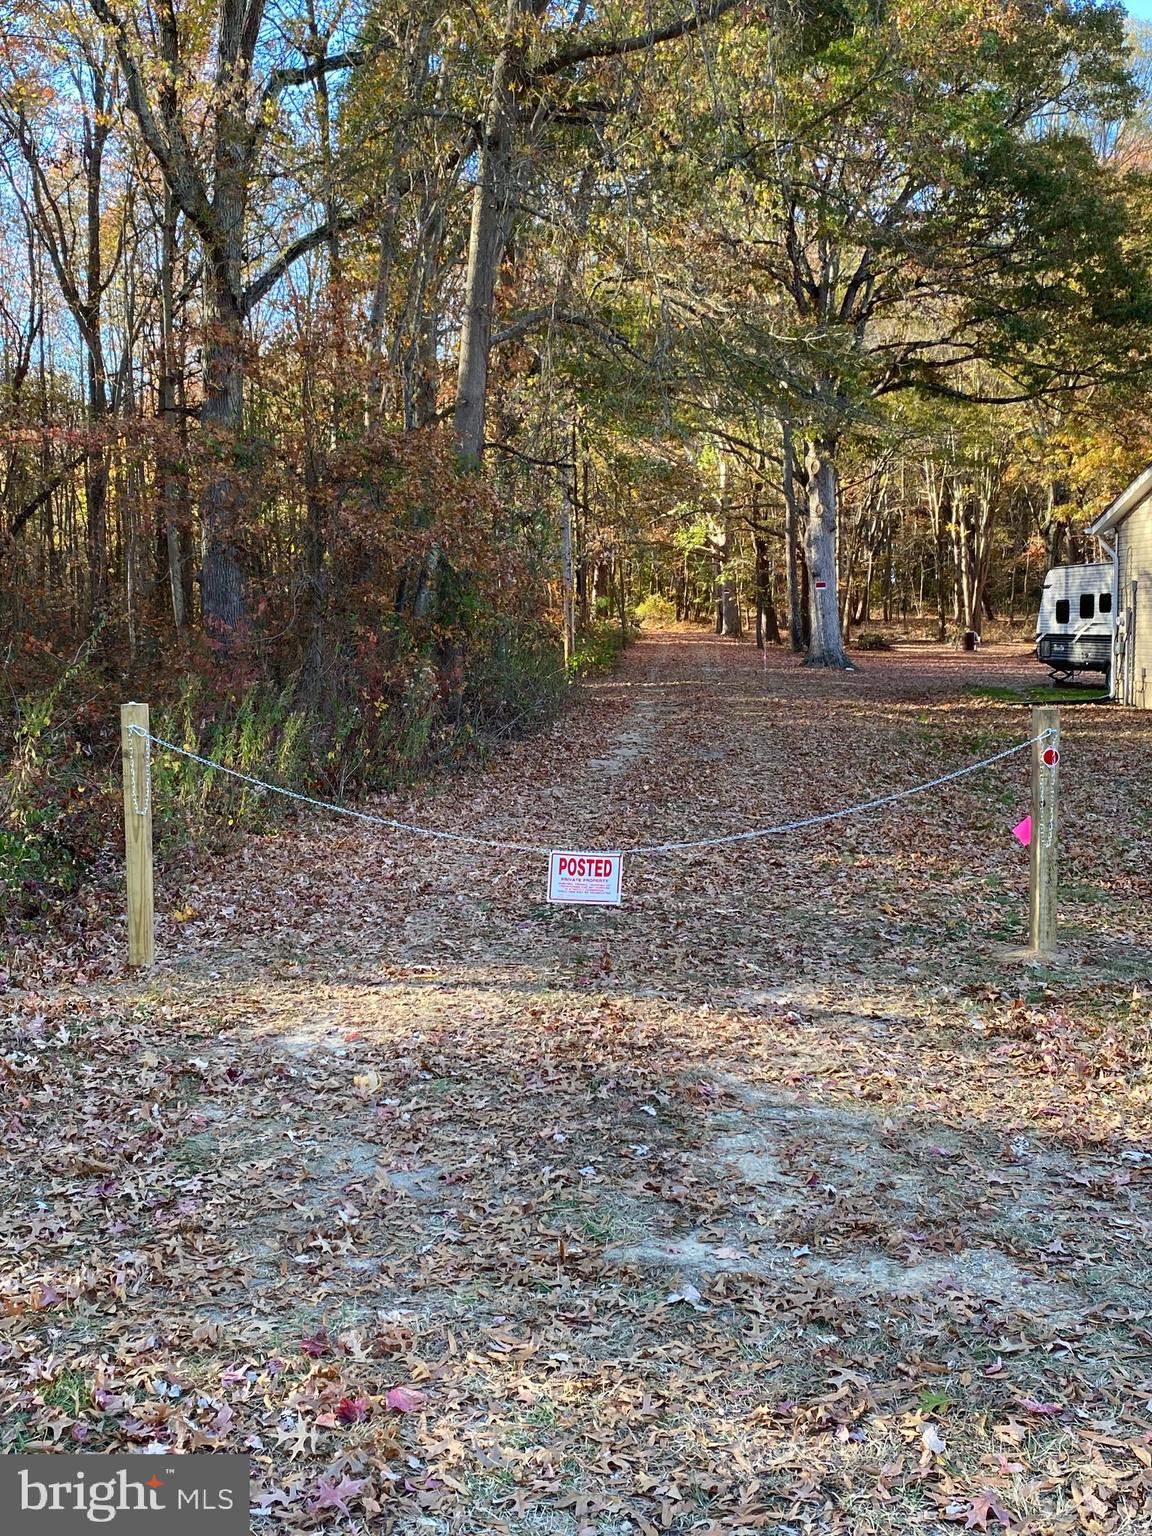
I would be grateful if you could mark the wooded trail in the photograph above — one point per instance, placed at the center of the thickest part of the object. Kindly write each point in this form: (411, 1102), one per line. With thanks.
(693, 737)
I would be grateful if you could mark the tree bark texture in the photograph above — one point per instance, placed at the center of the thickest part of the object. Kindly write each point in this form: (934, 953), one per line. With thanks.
(493, 206)
(826, 644)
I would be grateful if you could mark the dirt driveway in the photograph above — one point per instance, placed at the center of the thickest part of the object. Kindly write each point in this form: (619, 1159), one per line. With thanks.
(786, 1197)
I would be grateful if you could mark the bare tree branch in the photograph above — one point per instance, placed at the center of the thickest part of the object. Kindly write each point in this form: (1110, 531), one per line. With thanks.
(551, 316)
(261, 286)
(30, 508)
(614, 48)
(303, 74)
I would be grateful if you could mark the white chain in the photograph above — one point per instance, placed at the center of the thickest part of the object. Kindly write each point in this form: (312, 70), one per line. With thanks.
(848, 810)
(141, 810)
(337, 810)
(489, 842)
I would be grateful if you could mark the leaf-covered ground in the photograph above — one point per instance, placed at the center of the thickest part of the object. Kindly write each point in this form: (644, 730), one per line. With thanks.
(789, 1197)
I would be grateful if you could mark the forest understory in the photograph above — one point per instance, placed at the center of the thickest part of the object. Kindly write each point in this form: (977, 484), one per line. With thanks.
(791, 1196)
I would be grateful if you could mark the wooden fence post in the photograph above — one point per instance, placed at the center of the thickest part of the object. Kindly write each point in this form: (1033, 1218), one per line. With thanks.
(137, 834)
(1045, 807)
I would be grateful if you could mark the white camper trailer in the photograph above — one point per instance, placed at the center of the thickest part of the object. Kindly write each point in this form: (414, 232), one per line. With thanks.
(1074, 629)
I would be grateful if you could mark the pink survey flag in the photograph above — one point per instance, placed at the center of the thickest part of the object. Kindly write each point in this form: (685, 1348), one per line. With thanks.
(1023, 830)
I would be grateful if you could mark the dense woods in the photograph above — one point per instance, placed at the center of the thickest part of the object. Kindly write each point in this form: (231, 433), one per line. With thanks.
(358, 363)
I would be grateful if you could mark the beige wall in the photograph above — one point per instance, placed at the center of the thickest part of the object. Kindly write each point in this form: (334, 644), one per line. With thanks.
(1134, 564)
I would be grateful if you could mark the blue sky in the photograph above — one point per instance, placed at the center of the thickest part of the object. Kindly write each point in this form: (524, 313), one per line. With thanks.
(1142, 9)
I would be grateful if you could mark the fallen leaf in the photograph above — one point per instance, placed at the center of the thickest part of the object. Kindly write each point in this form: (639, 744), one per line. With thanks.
(985, 1506)
(689, 1295)
(353, 1410)
(931, 1441)
(317, 1345)
(330, 1495)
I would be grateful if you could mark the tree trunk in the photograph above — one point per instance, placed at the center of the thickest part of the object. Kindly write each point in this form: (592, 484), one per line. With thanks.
(826, 645)
(865, 605)
(960, 582)
(771, 617)
(938, 508)
(730, 623)
(727, 603)
(1054, 529)
(492, 207)
(797, 602)
(582, 523)
(569, 494)
(420, 374)
(1012, 591)
(846, 591)
(222, 584)
(96, 464)
(417, 333)
(983, 520)
(172, 477)
(767, 623)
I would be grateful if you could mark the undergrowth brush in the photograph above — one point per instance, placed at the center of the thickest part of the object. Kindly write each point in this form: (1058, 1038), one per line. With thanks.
(363, 724)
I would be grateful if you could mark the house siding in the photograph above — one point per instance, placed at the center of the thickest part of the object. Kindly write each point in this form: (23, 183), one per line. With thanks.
(1134, 625)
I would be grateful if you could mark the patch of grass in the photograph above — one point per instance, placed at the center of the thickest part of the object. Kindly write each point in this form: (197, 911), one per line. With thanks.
(1083, 892)
(67, 1391)
(330, 1316)
(1042, 694)
(540, 1417)
(17, 1434)
(603, 1227)
(187, 1087)
(598, 1223)
(196, 1152)
(979, 743)
(491, 1480)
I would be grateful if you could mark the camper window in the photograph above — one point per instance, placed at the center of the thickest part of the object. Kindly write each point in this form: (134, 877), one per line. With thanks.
(1087, 605)
(1063, 610)
(1105, 602)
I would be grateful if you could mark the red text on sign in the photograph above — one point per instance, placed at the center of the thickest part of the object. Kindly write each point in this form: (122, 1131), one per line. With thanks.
(586, 869)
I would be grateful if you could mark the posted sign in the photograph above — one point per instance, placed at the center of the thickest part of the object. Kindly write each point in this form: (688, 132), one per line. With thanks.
(586, 878)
